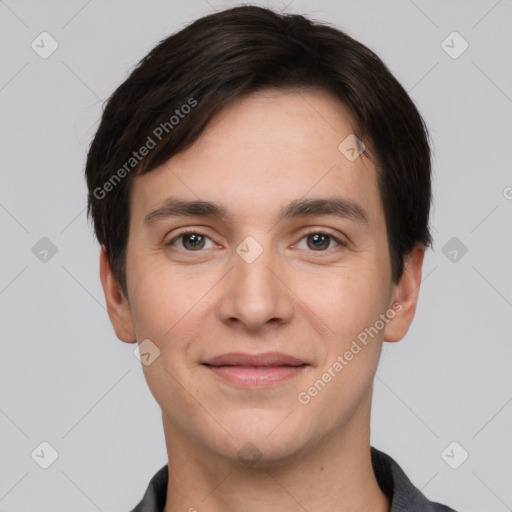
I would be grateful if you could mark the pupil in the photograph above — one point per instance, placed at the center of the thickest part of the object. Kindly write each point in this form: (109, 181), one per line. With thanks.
(319, 238)
(194, 240)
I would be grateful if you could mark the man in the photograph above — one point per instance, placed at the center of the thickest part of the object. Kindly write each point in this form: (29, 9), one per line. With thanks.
(260, 187)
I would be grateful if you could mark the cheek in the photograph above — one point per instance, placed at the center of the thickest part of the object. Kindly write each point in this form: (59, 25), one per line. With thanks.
(347, 299)
(349, 305)
(163, 300)
(171, 310)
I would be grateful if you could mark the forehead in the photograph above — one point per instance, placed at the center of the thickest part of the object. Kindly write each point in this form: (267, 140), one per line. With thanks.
(262, 151)
(291, 121)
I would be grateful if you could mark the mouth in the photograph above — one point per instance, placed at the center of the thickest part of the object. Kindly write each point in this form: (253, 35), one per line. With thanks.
(255, 371)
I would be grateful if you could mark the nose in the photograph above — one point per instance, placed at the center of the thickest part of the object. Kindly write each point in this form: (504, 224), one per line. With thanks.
(255, 295)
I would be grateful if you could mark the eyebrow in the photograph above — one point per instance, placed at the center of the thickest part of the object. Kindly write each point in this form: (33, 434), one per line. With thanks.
(333, 206)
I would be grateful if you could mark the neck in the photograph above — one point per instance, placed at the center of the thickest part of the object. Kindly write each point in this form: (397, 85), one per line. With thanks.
(334, 475)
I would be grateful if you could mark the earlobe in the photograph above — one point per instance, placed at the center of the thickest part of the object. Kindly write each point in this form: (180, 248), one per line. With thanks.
(118, 308)
(405, 292)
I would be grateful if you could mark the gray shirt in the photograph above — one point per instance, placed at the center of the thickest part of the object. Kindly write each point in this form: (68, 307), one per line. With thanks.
(402, 494)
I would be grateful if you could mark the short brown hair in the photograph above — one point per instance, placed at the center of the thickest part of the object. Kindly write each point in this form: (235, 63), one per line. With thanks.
(224, 56)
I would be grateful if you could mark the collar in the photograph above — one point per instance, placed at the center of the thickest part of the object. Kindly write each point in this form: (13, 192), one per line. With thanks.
(404, 497)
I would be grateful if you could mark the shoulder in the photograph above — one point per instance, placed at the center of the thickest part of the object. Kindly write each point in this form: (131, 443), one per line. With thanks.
(403, 495)
(156, 494)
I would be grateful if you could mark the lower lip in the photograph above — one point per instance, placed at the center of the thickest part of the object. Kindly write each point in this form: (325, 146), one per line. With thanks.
(255, 377)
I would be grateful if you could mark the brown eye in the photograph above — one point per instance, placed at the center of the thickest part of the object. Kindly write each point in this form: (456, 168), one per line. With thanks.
(191, 241)
(318, 241)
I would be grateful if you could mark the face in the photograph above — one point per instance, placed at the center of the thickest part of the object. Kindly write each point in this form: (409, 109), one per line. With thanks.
(257, 301)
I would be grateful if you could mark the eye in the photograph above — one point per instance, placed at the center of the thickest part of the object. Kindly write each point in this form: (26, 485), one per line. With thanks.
(319, 241)
(191, 241)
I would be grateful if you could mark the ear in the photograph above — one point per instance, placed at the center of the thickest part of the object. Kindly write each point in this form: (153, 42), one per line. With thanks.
(405, 296)
(117, 305)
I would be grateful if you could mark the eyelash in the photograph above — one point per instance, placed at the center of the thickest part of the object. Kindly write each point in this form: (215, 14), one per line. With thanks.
(312, 232)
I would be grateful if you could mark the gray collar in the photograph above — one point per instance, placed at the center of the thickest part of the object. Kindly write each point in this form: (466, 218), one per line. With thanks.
(392, 480)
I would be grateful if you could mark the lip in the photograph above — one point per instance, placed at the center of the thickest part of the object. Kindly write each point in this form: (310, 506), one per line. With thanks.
(255, 371)
(263, 359)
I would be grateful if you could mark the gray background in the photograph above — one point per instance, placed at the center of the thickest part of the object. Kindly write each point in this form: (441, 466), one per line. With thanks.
(67, 380)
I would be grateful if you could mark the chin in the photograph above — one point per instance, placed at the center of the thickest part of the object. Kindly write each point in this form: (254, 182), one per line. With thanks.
(262, 456)
(259, 449)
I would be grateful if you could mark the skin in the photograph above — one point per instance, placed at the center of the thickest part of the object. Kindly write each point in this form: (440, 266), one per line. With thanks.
(256, 156)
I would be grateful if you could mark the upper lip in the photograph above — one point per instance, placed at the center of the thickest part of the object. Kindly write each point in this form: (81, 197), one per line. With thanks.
(264, 359)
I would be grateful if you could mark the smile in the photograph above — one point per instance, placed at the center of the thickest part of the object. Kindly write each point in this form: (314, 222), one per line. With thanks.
(255, 371)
